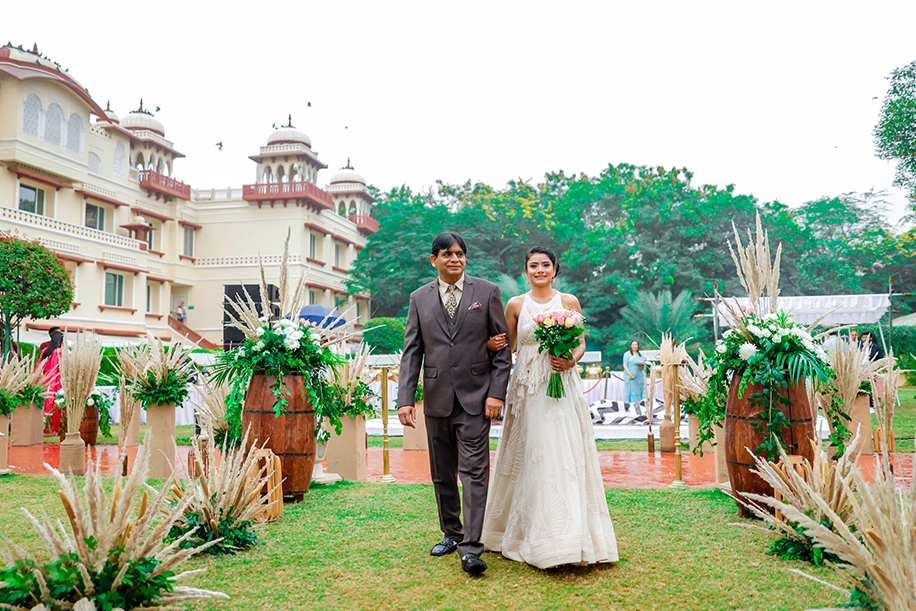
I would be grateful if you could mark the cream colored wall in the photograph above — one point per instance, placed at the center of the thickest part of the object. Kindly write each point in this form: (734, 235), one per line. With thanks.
(232, 235)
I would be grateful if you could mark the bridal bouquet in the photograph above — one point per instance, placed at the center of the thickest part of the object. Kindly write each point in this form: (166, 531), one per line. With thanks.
(558, 332)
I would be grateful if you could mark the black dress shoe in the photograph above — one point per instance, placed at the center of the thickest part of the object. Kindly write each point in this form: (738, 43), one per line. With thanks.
(472, 564)
(444, 547)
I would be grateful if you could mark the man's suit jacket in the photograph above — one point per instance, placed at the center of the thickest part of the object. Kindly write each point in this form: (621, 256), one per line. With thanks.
(453, 352)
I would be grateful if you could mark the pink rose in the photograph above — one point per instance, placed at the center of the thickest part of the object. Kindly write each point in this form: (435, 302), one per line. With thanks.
(561, 319)
(539, 318)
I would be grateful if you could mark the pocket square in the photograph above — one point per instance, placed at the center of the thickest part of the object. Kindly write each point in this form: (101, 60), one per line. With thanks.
(475, 306)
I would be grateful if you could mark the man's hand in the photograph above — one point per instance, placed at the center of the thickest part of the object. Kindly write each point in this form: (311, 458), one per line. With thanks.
(493, 408)
(408, 416)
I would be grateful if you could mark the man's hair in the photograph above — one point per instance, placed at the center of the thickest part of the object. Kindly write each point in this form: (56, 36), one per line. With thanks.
(446, 240)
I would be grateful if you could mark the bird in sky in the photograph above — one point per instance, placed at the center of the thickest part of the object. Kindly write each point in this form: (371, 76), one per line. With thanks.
(273, 125)
(220, 145)
(157, 109)
(310, 104)
(875, 98)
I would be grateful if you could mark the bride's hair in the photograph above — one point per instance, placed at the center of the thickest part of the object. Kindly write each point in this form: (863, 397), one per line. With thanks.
(543, 250)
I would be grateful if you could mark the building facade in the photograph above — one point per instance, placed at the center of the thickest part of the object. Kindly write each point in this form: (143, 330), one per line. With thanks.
(100, 191)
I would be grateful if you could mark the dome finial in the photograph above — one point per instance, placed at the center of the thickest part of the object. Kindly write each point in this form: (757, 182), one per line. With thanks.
(108, 105)
(141, 106)
(290, 124)
(348, 165)
(35, 48)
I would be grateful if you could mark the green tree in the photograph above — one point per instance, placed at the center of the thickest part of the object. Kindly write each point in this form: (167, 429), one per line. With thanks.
(895, 134)
(33, 284)
(385, 335)
(649, 315)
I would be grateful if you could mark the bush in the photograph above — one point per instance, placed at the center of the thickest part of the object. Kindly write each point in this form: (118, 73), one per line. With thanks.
(388, 338)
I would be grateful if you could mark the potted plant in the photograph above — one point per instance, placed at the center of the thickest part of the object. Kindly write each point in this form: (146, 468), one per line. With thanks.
(279, 376)
(96, 416)
(160, 377)
(79, 368)
(13, 374)
(27, 419)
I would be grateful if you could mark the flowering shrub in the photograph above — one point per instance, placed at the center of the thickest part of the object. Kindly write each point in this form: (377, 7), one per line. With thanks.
(558, 332)
(773, 351)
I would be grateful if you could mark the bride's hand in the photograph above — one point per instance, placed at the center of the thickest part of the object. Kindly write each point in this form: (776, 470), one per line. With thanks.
(561, 364)
(497, 343)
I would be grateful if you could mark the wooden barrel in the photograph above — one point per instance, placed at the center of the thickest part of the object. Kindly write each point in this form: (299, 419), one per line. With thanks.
(740, 417)
(290, 436)
(89, 427)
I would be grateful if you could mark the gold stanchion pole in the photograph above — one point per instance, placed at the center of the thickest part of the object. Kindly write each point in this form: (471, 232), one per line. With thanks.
(678, 471)
(387, 477)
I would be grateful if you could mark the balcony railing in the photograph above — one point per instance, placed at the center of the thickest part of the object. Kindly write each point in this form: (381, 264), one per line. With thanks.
(62, 227)
(164, 186)
(304, 192)
(365, 223)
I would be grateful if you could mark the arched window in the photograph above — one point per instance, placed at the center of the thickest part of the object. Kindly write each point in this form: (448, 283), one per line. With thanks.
(267, 176)
(281, 174)
(75, 134)
(168, 168)
(54, 124)
(95, 164)
(343, 209)
(160, 166)
(294, 174)
(140, 164)
(352, 207)
(120, 160)
(31, 113)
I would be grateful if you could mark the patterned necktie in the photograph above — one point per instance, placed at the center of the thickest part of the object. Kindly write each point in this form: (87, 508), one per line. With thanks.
(451, 303)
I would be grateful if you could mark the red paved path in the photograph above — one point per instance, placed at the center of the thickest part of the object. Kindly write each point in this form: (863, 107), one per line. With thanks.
(620, 469)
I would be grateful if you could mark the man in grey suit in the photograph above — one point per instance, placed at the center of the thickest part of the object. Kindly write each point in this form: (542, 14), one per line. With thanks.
(464, 387)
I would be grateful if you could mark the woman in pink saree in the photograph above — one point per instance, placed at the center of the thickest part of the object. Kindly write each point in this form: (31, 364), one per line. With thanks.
(50, 365)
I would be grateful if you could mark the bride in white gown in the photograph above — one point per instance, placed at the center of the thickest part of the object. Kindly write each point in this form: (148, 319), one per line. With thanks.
(546, 504)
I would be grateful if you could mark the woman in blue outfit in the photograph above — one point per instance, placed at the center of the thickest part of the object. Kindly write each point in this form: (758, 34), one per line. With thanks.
(634, 368)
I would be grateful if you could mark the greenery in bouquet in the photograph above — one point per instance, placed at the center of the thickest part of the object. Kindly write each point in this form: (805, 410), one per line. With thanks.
(773, 351)
(98, 400)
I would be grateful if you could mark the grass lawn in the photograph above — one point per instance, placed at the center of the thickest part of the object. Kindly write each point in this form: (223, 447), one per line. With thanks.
(365, 546)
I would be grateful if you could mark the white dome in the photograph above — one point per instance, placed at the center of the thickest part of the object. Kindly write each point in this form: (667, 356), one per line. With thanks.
(143, 120)
(347, 175)
(112, 116)
(288, 135)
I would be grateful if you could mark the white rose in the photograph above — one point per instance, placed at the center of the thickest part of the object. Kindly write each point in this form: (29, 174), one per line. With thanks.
(258, 347)
(746, 351)
(755, 330)
(570, 323)
(90, 402)
(720, 348)
(259, 331)
(770, 316)
(728, 333)
(549, 322)
(773, 328)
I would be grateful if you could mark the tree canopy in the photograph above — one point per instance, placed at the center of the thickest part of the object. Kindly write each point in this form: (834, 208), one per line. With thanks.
(638, 236)
(895, 134)
(33, 284)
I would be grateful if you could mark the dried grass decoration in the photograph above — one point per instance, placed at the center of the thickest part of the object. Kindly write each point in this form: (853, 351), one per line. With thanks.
(27, 419)
(224, 499)
(79, 369)
(797, 483)
(14, 377)
(113, 553)
(158, 376)
(873, 534)
(349, 395)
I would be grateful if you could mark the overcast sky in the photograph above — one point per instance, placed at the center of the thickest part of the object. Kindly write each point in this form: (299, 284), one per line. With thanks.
(775, 97)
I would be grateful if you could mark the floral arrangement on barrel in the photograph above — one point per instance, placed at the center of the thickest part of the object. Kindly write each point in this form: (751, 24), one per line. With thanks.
(764, 348)
(97, 399)
(558, 332)
(112, 557)
(278, 346)
(222, 501)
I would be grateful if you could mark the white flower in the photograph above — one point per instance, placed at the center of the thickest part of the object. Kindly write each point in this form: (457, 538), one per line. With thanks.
(259, 346)
(259, 331)
(241, 353)
(746, 351)
(90, 402)
(728, 333)
(755, 330)
(720, 348)
(770, 316)
(777, 338)
(773, 328)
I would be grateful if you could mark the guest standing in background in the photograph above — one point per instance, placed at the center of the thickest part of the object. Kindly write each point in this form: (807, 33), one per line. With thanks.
(634, 367)
(181, 313)
(49, 361)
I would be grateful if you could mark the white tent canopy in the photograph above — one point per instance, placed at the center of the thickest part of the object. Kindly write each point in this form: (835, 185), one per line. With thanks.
(839, 309)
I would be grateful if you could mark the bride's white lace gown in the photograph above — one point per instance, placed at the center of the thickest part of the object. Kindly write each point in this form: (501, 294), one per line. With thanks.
(546, 504)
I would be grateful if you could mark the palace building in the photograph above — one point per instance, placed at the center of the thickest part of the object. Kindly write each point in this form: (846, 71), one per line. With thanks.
(100, 190)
